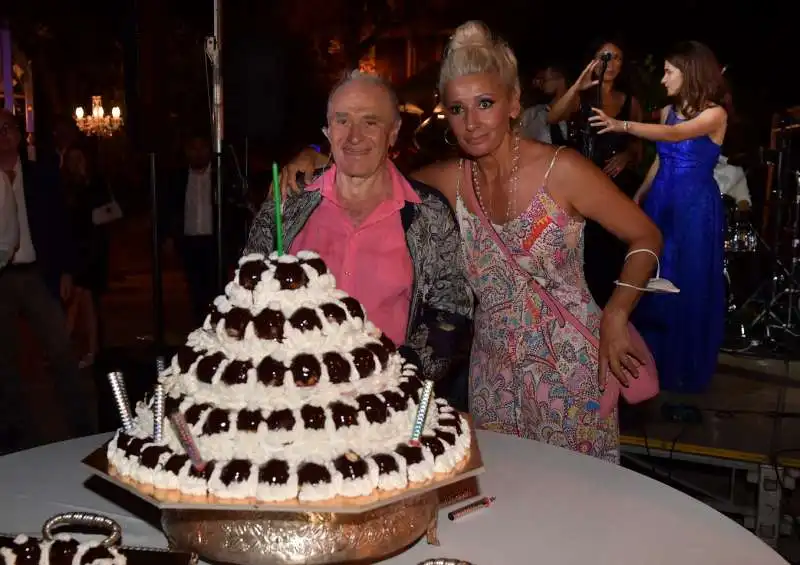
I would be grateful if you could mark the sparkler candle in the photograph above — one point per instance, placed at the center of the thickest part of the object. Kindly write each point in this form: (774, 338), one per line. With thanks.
(422, 412)
(187, 441)
(121, 399)
(121, 380)
(158, 413)
(161, 365)
(484, 502)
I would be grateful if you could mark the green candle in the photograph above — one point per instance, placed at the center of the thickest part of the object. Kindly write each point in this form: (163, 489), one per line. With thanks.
(276, 189)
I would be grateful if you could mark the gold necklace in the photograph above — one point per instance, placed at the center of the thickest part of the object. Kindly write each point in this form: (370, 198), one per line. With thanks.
(513, 182)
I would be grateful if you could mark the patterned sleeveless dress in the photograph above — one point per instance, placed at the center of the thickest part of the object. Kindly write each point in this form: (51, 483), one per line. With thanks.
(529, 375)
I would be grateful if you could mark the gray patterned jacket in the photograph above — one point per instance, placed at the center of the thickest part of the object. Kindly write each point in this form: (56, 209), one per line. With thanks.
(441, 303)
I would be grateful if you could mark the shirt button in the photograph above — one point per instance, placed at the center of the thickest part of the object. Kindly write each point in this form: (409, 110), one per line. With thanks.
(347, 273)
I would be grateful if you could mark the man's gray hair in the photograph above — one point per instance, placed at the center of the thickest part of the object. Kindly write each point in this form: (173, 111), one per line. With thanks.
(369, 78)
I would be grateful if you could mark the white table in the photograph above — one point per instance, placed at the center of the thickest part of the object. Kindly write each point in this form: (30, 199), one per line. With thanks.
(553, 507)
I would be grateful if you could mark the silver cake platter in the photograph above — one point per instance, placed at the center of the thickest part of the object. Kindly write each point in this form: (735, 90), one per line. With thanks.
(300, 533)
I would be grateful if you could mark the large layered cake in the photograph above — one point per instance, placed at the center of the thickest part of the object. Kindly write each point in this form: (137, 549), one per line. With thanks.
(290, 394)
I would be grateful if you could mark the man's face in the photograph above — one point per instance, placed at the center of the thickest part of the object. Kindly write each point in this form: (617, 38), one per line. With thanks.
(548, 81)
(198, 153)
(10, 136)
(362, 127)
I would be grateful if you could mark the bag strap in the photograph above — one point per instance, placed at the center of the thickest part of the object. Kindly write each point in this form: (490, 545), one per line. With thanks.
(562, 314)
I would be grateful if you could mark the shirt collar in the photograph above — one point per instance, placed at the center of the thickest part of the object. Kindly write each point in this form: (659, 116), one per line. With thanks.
(17, 175)
(402, 191)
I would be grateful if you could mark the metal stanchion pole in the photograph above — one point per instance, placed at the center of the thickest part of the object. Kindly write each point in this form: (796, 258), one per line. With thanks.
(213, 50)
(158, 288)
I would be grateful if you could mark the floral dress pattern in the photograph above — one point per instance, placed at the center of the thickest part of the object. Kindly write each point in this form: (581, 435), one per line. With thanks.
(530, 375)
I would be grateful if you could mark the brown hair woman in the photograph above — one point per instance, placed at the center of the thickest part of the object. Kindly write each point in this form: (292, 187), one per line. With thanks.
(681, 196)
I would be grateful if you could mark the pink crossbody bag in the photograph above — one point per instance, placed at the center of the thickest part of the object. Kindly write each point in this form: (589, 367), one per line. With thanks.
(645, 385)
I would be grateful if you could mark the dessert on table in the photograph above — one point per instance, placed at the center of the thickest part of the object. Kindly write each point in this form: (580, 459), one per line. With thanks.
(288, 393)
(63, 549)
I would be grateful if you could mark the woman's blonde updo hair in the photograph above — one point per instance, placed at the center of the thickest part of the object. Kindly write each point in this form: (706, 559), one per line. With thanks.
(473, 49)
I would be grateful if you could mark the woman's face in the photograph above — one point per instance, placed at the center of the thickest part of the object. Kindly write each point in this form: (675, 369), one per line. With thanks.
(673, 79)
(614, 63)
(479, 110)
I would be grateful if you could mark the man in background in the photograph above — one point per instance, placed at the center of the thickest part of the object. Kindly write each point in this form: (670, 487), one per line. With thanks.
(189, 222)
(31, 286)
(732, 182)
(549, 85)
(9, 223)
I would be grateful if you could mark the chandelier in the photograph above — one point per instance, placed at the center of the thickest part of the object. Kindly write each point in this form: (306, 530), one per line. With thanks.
(98, 123)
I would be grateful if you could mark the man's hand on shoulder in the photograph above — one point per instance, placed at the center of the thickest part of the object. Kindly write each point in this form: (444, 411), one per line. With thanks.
(304, 163)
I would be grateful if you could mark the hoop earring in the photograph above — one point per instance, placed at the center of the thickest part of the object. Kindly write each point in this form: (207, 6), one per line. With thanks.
(447, 141)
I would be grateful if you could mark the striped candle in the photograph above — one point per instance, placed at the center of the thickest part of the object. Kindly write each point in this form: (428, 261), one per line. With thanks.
(422, 411)
(115, 379)
(158, 413)
(187, 440)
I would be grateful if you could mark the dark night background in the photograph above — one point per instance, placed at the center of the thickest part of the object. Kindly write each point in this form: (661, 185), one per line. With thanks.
(148, 55)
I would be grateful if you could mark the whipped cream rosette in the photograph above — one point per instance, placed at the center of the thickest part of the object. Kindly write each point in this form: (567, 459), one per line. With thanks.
(289, 393)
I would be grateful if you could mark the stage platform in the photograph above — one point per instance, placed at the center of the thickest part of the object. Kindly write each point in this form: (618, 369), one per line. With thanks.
(736, 448)
(739, 415)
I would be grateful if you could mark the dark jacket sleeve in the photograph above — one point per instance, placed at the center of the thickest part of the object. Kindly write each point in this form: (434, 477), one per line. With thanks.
(262, 231)
(439, 339)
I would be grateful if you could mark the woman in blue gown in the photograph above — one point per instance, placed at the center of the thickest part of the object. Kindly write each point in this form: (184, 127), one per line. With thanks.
(685, 330)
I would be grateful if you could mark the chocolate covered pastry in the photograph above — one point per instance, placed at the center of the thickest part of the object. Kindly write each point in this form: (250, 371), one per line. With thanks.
(62, 550)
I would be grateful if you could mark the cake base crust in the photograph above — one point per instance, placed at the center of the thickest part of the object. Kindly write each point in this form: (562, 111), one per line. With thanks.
(177, 496)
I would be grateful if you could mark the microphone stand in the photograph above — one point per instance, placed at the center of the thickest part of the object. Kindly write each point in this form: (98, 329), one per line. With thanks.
(603, 69)
(589, 133)
(213, 51)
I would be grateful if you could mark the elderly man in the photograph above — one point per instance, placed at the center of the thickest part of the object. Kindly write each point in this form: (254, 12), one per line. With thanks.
(391, 243)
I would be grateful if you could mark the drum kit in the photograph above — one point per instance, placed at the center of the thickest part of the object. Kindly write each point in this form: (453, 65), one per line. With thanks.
(765, 323)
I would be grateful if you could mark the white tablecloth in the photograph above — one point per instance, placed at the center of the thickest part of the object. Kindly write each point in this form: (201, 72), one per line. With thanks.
(553, 507)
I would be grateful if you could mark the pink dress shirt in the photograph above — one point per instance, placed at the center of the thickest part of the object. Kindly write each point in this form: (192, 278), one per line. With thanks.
(371, 261)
